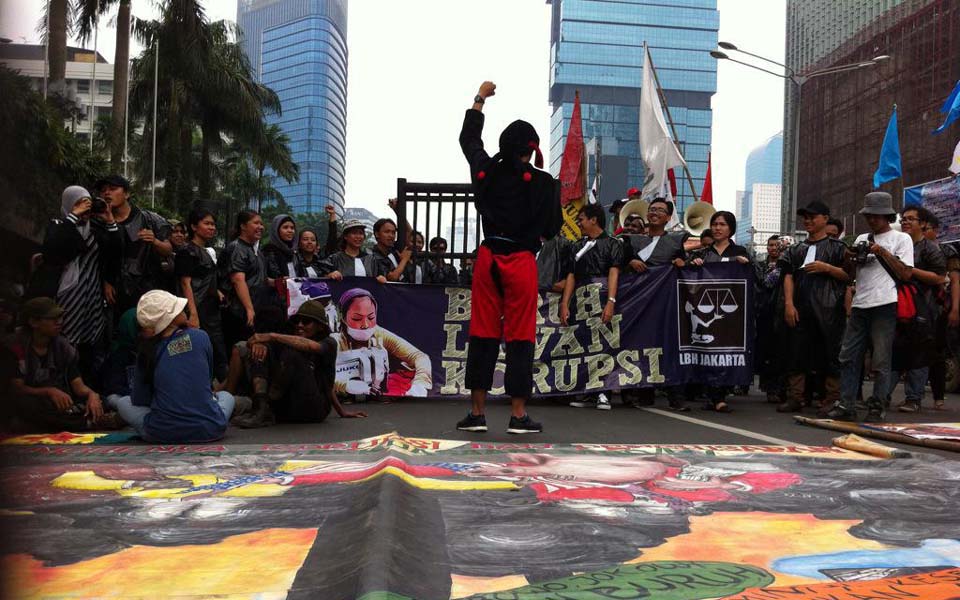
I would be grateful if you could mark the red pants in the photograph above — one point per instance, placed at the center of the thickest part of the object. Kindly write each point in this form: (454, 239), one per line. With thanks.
(503, 307)
(504, 300)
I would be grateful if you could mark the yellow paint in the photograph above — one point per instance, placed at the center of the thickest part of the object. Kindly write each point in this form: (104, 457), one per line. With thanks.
(53, 438)
(262, 565)
(759, 539)
(428, 483)
(464, 585)
(89, 481)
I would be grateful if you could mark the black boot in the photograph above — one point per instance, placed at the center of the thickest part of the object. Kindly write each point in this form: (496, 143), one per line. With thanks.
(259, 416)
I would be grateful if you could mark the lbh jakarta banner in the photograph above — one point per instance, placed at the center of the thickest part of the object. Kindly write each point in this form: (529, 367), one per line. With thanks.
(672, 327)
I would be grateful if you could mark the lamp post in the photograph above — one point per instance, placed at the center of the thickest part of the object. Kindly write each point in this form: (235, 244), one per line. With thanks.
(798, 80)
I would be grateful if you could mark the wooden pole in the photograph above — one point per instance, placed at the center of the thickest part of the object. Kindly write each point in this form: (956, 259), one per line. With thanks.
(877, 434)
(673, 128)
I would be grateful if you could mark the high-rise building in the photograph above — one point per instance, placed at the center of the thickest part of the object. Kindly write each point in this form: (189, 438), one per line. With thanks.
(843, 116)
(764, 167)
(596, 48)
(764, 218)
(298, 48)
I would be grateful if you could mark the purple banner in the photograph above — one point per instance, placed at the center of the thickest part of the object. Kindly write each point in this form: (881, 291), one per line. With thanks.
(673, 326)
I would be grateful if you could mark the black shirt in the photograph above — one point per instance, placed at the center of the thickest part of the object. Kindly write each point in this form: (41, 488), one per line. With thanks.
(241, 257)
(196, 263)
(710, 254)
(928, 256)
(669, 247)
(554, 262)
(442, 274)
(813, 289)
(140, 270)
(523, 212)
(605, 253)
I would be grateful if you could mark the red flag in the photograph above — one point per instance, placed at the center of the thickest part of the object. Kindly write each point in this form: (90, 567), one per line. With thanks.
(707, 195)
(673, 183)
(572, 181)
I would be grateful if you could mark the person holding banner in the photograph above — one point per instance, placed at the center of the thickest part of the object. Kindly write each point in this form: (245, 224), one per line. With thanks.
(814, 283)
(385, 259)
(596, 255)
(352, 260)
(723, 226)
(656, 249)
(519, 206)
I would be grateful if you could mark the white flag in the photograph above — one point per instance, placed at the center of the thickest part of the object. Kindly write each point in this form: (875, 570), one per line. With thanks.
(657, 149)
(955, 165)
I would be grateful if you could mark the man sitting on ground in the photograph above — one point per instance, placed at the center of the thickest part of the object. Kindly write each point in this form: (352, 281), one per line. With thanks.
(49, 394)
(292, 376)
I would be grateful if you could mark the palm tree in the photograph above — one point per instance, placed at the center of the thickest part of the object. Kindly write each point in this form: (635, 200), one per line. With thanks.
(56, 23)
(271, 149)
(88, 13)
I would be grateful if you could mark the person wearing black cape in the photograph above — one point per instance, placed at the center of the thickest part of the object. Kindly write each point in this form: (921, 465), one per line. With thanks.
(519, 207)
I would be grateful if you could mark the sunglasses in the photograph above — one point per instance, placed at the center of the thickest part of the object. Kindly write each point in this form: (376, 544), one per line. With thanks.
(297, 320)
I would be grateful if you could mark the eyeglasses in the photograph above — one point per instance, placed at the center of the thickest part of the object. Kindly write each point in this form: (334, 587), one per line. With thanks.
(658, 209)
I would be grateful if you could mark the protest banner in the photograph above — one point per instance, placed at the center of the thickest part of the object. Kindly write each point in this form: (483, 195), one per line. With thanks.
(673, 326)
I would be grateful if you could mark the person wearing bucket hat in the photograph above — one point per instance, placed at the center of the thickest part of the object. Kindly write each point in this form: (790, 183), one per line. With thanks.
(814, 282)
(48, 392)
(294, 382)
(519, 207)
(172, 400)
(351, 260)
(873, 316)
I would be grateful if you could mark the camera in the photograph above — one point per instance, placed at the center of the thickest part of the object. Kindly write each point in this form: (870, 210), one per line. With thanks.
(861, 252)
(99, 206)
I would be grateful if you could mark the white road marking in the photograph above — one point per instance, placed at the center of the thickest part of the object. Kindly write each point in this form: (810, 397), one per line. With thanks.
(744, 432)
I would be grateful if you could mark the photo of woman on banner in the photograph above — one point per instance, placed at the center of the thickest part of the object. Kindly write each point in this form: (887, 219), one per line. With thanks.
(373, 361)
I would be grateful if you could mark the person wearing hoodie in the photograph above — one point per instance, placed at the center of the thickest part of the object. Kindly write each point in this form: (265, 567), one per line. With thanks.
(81, 251)
(278, 253)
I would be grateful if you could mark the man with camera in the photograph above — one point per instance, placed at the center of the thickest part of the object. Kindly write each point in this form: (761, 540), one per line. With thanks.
(883, 258)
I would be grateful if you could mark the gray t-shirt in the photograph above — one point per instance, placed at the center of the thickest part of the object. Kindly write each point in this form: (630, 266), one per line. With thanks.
(241, 257)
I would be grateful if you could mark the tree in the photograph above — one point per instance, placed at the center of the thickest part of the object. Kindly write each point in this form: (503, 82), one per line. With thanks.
(56, 23)
(88, 13)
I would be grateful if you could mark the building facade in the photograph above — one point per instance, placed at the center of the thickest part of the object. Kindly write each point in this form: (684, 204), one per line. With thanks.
(844, 116)
(298, 48)
(764, 219)
(596, 48)
(765, 167)
(89, 80)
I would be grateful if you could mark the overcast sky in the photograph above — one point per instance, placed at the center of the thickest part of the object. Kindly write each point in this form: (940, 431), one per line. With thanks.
(410, 80)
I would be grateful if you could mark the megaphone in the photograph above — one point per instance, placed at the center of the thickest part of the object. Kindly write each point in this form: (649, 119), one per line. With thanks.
(696, 219)
(634, 207)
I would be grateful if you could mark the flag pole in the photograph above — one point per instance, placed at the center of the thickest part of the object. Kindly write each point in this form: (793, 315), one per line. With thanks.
(673, 128)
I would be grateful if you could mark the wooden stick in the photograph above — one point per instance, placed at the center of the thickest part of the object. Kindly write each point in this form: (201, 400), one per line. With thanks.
(880, 435)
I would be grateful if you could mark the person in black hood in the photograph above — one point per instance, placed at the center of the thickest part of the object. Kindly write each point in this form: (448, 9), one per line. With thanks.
(519, 206)
(278, 253)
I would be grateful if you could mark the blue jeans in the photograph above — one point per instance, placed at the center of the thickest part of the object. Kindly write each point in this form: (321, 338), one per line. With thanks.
(133, 415)
(913, 386)
(865, 325)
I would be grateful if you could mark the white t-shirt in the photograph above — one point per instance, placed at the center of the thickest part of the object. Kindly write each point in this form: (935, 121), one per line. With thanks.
(875, 287)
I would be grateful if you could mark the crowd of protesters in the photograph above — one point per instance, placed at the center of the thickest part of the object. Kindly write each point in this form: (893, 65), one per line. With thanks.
(133, 320)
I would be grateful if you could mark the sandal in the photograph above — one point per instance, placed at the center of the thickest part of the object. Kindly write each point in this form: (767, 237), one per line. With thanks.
(939, 405)
(722, 407)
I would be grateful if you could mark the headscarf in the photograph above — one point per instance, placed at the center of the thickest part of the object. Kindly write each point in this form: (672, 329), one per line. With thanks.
(285, 247)
(68, 200)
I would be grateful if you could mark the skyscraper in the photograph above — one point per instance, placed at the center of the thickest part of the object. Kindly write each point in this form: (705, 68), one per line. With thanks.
(843, 116)
(596, 48)
(760, 207)
(298, 48)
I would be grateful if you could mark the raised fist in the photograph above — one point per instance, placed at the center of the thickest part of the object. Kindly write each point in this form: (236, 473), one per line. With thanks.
(487, 89)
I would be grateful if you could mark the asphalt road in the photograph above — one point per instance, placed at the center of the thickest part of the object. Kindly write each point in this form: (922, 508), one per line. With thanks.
(752, 421)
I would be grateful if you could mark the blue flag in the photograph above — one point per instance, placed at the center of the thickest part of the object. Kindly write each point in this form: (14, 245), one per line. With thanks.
(951, 108)
(889, 167)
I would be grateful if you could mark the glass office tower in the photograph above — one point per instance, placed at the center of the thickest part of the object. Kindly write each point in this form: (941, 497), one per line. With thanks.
(597, 48)
(299, 49)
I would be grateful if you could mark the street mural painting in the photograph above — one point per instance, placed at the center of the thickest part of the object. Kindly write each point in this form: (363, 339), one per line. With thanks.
(399, 518)
(920, 431)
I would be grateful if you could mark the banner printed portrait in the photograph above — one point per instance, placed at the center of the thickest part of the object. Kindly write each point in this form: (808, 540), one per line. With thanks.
(671, 327)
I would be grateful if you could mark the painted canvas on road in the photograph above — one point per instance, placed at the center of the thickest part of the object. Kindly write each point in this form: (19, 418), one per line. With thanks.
(395, 518)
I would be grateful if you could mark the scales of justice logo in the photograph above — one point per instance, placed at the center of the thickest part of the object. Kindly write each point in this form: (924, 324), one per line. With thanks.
(712, 316)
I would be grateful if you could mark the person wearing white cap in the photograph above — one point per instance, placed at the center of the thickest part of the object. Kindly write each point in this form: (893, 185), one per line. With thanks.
(172, 401)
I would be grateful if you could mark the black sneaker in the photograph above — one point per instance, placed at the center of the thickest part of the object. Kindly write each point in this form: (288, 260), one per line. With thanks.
(875, 411)
(524, 425)
(472, 422)
(839, 412)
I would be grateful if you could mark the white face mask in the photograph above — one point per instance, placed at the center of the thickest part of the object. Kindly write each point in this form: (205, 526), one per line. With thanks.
(361, 335)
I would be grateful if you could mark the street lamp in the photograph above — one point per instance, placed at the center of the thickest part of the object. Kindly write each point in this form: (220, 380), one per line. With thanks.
(797, 80)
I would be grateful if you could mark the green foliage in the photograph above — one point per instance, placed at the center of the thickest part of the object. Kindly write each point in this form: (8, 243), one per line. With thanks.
(39, 157)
